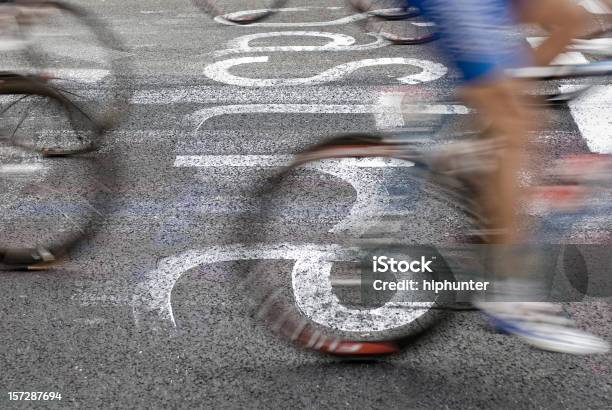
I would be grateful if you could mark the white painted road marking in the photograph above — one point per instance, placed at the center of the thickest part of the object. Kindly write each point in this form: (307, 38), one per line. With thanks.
(345, 94)
(219, 71)
(383, 119)
(311, 273)
(154, 294)
(20, 169)
(591, 112)
(339, 42)
(386, 116)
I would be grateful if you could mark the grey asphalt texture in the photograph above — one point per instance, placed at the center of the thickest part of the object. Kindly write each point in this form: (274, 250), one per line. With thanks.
(73, 329)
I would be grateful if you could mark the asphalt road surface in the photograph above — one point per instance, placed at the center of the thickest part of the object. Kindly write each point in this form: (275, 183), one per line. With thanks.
(145, 314)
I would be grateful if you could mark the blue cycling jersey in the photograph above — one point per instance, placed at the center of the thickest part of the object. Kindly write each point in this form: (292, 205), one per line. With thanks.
(477, 35)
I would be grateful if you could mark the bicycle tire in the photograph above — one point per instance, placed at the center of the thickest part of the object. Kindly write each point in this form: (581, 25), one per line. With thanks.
(275, 303)
(61, 164)
(95, 54)
(215, 9)
(398, 25)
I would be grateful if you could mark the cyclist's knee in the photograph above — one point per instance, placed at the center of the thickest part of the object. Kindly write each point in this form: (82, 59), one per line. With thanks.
(503, 95)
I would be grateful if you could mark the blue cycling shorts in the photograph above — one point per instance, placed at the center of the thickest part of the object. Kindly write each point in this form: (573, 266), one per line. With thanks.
(479, 36)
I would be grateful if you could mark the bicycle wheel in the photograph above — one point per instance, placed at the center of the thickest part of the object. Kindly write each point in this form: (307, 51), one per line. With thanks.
(53, 188)
(394, 21)
(240, 12)
(385, 9)
(322, 220)
(76, 52)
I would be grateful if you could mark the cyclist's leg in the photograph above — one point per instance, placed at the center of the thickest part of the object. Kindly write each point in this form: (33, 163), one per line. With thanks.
(563, 19)
(482, 53)
(499, 103)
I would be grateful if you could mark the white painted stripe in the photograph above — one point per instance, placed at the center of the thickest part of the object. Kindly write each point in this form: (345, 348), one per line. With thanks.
(339, 42)
(201, 116)
(591, 112)
(336, 22)
(386, 118)
(339, 94)
(219, 71)
(21, 168)
(323, 94)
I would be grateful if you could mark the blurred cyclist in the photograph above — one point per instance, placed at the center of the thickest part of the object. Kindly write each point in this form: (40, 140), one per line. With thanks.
(479, 36)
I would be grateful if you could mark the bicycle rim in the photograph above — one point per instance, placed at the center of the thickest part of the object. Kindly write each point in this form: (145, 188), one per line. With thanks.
(402, 26)
(79, 56)
(316, 291)
(54, 192)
